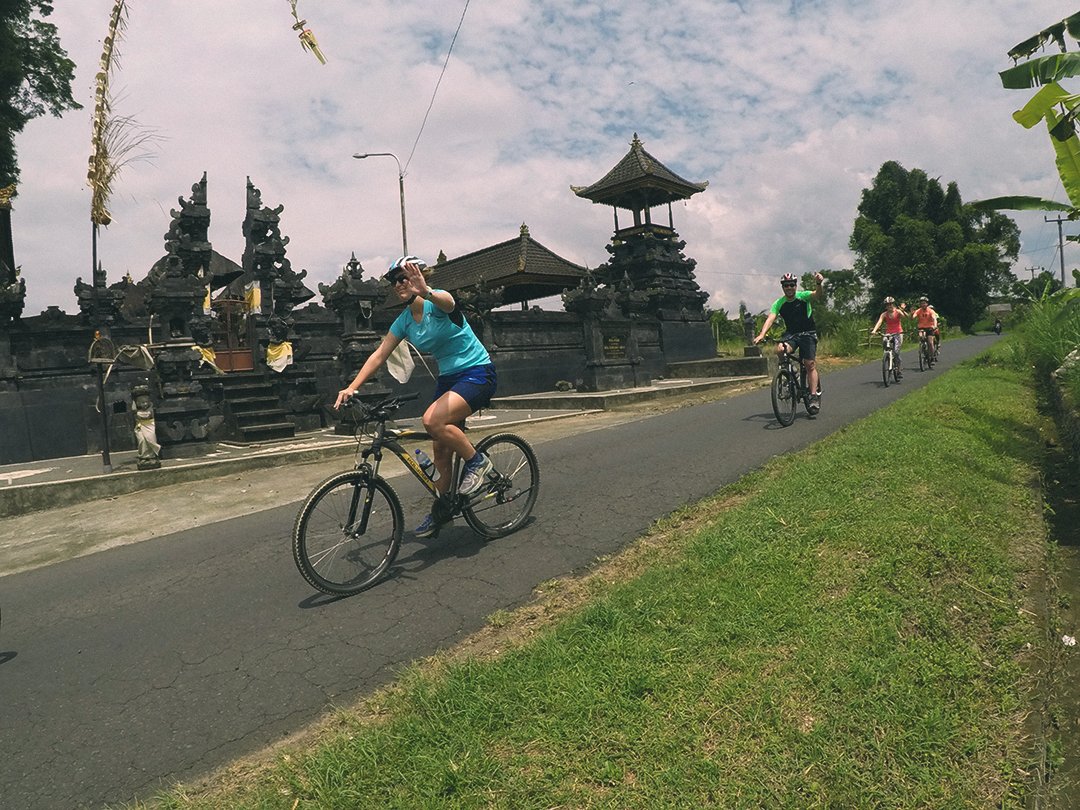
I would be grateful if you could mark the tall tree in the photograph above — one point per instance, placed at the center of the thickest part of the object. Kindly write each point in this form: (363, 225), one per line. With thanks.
(913, 237)
(35, 75)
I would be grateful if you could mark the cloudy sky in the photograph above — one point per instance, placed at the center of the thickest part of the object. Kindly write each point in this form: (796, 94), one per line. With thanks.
(786, 107)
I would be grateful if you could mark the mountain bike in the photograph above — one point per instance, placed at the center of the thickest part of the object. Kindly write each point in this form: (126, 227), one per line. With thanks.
(927, 355)
(789, 387)
(349, 529)
(890, 359)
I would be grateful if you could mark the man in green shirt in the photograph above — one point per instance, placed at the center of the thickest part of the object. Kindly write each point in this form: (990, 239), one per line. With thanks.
(800, 332)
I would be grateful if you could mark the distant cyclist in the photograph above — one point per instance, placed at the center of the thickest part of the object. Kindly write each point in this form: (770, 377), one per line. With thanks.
(799, 329)
(926, 320)
(432, 322)
(892, 317)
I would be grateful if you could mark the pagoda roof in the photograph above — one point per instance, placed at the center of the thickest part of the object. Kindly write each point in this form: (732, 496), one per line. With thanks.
(639, 181)
(523, 267)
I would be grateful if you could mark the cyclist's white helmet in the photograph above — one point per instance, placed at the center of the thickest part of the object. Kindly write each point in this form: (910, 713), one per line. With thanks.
(890, 300)
(788, 278)
(400, 263)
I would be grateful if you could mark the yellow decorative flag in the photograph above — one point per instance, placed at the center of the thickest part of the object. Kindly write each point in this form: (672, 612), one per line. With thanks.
(209, 358)
(253, 296)
(279, 355)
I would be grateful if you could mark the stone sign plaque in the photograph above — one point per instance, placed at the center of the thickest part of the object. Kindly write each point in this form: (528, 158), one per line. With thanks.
(614, 347)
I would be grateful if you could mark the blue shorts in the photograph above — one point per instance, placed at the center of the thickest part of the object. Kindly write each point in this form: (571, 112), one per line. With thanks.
(475, 385)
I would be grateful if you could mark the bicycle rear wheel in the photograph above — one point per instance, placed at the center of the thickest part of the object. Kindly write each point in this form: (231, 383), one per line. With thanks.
(504, 501)
(784, 400)
(347, 533)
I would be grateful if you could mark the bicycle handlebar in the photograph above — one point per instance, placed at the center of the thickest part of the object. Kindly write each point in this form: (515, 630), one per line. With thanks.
(379, 410)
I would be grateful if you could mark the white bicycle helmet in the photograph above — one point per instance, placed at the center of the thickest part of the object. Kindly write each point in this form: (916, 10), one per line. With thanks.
(401, 261)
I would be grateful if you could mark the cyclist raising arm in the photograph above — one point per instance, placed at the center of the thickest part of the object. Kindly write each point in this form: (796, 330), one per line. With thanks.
(433, 323)
(926, 320)
(893, 319)
(799, 328)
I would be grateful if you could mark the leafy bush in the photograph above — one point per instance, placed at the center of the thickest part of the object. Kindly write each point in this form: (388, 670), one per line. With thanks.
(1050, 329)
(847, 335)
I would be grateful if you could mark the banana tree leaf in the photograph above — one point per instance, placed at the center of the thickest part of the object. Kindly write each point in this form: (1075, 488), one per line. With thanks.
(1035, 110)
(1027, 47)
(1019, 204)
(1055, 32)
(1068, 159)
(1044, 70)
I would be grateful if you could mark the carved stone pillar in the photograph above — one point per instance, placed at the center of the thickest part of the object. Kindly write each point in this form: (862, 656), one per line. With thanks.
(353, 299)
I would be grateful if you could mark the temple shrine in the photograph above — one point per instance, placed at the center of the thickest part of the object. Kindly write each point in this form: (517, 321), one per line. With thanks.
(240, 351)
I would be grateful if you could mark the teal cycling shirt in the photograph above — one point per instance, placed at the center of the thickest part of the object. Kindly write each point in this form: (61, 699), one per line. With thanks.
(454, 346)
(798, 314)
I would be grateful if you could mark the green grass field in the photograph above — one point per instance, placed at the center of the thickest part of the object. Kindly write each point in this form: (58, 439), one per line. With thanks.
(855, 625)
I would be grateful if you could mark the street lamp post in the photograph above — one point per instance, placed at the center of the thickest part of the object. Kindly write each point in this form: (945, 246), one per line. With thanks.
(401, 192)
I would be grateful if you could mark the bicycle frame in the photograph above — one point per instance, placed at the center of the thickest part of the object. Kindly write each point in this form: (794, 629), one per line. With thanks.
(385, 439)
(788, 362)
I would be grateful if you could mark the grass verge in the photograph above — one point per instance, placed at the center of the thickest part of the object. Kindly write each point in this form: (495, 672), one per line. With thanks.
(847, 627)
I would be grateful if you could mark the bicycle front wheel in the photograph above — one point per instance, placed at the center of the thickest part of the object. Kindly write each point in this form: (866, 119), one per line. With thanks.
(348, 533)
(924, 358)
(504, 501)
(784, 401)
(886, 368)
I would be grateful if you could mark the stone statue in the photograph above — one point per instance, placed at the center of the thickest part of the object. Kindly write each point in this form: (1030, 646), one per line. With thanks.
(749, 328)
(149, 456)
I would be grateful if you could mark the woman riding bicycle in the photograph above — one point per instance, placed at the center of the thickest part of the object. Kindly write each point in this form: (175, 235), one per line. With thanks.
(432, 322)
(894, 328)
(926, 320)
(799, 329)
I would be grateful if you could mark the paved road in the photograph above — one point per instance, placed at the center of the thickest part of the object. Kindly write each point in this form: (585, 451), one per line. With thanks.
(133, 668)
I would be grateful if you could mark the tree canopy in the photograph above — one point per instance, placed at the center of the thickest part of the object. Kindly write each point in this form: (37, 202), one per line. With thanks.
(913, 237)
(35, 75)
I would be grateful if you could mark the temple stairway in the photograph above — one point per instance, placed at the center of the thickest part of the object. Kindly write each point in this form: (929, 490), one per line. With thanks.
(252, 410)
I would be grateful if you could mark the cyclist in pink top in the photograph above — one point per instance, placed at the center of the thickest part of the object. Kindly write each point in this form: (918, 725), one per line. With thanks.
(892, 318)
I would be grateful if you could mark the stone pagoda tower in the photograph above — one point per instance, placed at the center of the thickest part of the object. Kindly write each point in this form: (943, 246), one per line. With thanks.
(647, 265)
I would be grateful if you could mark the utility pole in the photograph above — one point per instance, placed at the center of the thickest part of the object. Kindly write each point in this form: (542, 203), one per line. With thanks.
(1032, 271)
(1061, 244)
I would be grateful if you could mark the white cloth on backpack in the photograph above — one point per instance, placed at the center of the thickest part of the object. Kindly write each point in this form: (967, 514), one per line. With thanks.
(400, 363)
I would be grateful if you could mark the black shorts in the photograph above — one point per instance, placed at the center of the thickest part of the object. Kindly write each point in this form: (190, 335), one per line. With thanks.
(475, 385)
(803, 342)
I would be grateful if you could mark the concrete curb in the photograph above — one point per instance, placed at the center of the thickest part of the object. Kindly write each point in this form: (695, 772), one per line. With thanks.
(35, 497)
(605, 400)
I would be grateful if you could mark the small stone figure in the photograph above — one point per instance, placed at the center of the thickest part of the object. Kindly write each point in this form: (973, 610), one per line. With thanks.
(749, 328)
(149, 457)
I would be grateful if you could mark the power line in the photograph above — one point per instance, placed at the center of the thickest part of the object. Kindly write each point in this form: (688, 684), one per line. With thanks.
(436, 90)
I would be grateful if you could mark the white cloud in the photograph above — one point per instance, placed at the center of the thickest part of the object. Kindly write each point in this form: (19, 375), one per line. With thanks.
(787, 109)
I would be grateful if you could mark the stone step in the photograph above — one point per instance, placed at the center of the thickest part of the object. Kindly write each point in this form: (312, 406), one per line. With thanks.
(266, 432)
(246, 404)
(268, 416)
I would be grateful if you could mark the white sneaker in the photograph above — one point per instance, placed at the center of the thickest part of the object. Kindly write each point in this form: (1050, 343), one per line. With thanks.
(476, 469)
